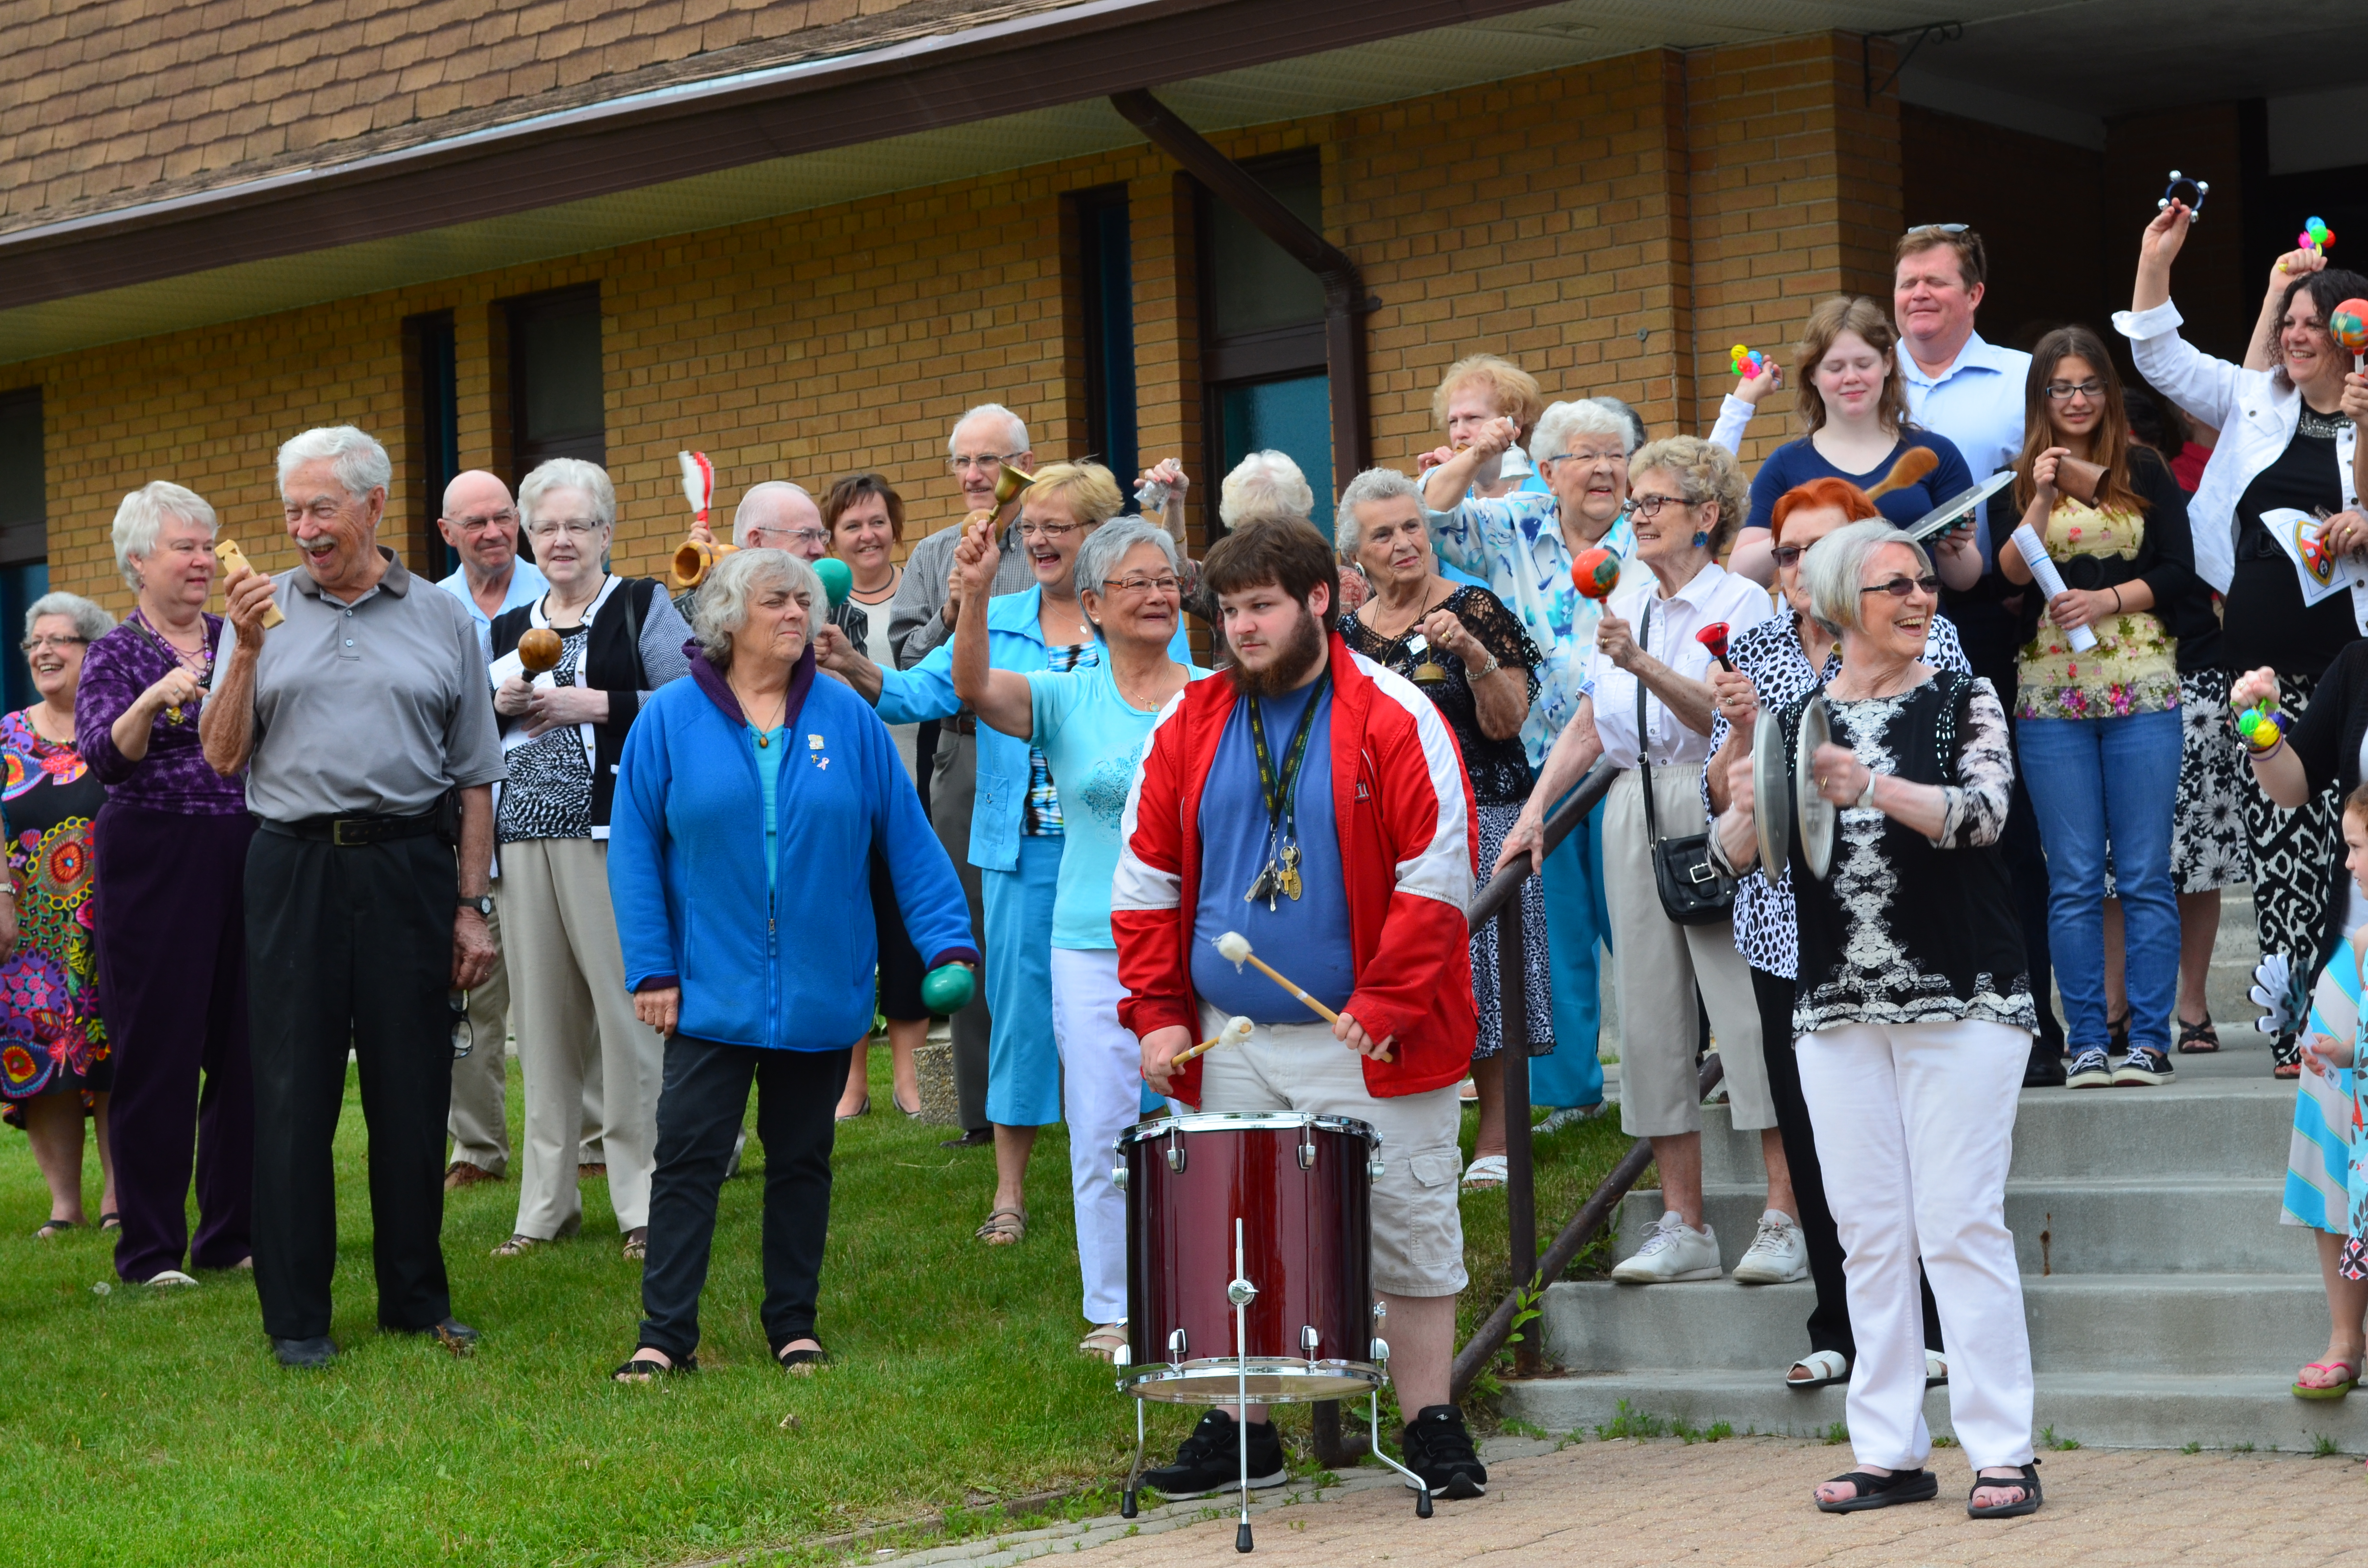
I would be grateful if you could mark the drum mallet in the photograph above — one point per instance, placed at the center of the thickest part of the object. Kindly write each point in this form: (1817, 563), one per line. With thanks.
(1235, 1032)
(1235, 947)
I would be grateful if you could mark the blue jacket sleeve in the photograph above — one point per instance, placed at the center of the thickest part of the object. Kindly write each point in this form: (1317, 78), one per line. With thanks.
(637, 853)
(929, 895)
(925, 691)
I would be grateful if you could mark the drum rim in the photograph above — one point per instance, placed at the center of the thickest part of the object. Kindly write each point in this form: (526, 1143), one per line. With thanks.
(1248, 1121)
(1225, 1372)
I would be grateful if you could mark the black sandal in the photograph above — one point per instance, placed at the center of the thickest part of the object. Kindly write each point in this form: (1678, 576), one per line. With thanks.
(2197, 1039)
(2026, 1503)
(801, 1363)
(640, 1369)
(1918, 1486)
(51, 1229)
(110, 1221)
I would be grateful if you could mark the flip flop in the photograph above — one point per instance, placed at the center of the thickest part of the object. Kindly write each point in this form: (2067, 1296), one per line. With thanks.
(2327, 1391)
(1485, 1173)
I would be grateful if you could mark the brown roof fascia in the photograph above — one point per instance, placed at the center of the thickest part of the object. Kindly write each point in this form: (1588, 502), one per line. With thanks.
(1066, 56)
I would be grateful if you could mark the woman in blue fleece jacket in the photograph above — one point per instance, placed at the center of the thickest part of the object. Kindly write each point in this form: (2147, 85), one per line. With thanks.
(748, 797)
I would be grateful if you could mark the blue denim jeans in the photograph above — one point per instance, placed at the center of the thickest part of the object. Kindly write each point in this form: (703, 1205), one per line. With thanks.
(2096, 782)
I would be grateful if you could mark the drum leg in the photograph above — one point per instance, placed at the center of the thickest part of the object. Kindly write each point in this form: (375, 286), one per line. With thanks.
(1134, 1473)
(1240, 1293)
(1422, 1488)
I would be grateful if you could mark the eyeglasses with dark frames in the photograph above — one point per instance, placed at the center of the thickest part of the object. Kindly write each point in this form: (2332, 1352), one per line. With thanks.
(1900, 588)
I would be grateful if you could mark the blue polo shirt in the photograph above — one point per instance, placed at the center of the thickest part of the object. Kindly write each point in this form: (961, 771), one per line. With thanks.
(1978, 403)
(527, 584)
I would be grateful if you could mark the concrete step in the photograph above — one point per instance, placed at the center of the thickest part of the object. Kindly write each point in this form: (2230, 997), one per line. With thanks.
(2216, 1126)
(2157, 1225)
(2255, 1324)
(2154, 1410)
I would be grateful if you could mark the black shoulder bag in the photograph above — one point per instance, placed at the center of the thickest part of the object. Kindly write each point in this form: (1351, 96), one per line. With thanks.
(1692, 893)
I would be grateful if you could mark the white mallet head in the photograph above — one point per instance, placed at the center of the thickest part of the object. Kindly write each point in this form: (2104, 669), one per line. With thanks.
(1236, 1031)
(1235, 947)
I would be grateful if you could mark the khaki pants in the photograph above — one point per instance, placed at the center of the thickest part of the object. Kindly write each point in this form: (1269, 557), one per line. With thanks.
(1661, 963)
(567, 984)
(479, 1121)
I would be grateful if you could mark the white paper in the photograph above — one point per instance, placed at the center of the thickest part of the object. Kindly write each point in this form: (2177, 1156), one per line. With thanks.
(2050, 581)
(2290, 526)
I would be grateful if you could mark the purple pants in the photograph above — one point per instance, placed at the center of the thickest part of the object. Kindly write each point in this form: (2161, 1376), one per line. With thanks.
(172, 985)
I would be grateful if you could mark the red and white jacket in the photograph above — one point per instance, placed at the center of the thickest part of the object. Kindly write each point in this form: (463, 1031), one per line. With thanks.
(1403, 811)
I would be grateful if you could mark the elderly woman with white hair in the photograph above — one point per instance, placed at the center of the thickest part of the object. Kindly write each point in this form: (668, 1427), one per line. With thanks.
(562, 731)
(1092, 724)
(171, 905)
(1464, 650)
(1913, 1020)
(1523, 546)
(748, 800)
(54, 1066)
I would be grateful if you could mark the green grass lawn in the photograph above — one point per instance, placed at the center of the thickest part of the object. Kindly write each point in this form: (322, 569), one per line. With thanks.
(155, 1428)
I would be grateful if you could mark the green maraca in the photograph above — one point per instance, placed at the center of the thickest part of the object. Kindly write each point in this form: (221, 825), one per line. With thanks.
(947, 989)
(838, 582)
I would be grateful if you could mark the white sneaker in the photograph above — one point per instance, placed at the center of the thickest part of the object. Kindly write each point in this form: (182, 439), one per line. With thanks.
(1673, 1250)
(1778, 1254)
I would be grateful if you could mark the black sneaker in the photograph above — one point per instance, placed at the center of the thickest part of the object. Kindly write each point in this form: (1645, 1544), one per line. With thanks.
(1439, 1449)
(2045, 1070)
(2090, 1070)
(1210, 1460)
(2144, 1065)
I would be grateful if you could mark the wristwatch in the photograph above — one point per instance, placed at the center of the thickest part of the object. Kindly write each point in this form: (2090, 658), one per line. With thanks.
(483, 903)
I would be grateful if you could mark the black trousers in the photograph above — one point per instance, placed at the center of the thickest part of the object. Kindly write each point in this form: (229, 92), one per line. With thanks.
(1829, 1325)
(701, 1106)
(349, 948)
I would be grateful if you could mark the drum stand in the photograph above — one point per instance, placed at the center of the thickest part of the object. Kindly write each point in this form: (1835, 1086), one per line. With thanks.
(1241, 1293)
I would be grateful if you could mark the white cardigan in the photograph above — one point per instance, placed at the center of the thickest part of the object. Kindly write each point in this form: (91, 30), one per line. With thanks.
(2255, 412)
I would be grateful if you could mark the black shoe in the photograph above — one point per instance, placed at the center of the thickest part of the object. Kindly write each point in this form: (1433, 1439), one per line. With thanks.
(1210, 1460)
(1439, 1450)
(978, 1139)
(2046, 1067)
(452, 1334)
(306, 1353)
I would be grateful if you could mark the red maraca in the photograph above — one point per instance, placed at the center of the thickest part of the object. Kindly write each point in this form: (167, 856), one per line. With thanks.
(1713, 637)
(1596, 573)
(2349, 322)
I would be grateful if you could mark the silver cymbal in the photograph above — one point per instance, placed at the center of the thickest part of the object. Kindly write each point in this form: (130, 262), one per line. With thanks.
(1816, 814)
(1772, 787)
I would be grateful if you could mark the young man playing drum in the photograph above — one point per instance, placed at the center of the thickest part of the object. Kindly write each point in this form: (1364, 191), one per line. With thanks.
(1314, 802)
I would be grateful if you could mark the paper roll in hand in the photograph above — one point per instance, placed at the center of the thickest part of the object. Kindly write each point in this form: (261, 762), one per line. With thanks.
(234, 560)
(2050, 581)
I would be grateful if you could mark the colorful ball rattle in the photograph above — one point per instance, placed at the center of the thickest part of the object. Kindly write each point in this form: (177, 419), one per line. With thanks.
(2349, 322)
(1596, 573)
(947, 989)
(838, 582)
(1746, 362)
(2261, 727)
(2316, 232)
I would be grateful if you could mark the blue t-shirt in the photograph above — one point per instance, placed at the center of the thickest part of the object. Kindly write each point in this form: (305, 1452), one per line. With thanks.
(770, 758)
(1307, 939)
(1797, 462)
(1092, 740)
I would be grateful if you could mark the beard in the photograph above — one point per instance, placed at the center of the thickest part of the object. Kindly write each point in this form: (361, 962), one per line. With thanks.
(1291, 664)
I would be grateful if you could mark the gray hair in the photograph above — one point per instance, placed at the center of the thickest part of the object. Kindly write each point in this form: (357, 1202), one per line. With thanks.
(90, 622)
(142, 518)
(1834, 569)
(1265, 484)
(1017, 435)
(760, 495)
(568, 473)
(722, 608)
(1107, 545)
(1637, 433)
(1374, 485)
(361, 463)
(1561, 421)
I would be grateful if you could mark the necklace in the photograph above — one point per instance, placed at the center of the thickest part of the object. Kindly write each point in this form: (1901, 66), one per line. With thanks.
(1281, 876)
(875, 596)
(2320, 427)
(552, 622)
(200, 664)
(1412, 621)
(748, 710)
(33, 721)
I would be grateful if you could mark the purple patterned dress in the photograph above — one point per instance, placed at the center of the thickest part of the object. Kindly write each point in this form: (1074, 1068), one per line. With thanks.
(51, 1037)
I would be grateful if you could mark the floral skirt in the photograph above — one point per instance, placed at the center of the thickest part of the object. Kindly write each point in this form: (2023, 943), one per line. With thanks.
(2209, 847)
(1537, 963)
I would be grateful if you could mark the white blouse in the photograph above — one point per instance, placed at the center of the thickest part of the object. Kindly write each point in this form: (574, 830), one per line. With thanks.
(1713, 595)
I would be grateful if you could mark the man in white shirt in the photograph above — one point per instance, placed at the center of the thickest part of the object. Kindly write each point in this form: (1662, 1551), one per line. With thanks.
(1971, 392)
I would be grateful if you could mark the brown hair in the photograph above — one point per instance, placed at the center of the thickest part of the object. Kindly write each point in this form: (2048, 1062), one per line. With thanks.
(1288, 552)
(2109, 448)
(1849, 312)
(1973, 260)
(2355, 804)
(1512, 390)
(854, 488)
(2328, 288)
(1830, 491)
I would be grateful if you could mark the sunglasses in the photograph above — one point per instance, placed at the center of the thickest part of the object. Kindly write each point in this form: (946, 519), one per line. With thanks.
(1788, 553)
(1900, 588)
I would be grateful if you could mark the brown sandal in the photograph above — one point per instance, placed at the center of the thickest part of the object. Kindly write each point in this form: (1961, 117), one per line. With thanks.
(637, 1244)
(519, 1245)
(1004, 1227)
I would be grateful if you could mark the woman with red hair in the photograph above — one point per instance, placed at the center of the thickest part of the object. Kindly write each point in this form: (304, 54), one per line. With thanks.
(1775, 662)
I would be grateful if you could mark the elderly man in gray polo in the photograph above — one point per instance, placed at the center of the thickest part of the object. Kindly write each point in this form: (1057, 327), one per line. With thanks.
(365, 724)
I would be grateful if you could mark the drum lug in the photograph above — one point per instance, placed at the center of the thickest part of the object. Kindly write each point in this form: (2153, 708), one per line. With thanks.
(1176, 1347)
(1117, 1177)
(1309, 1339)
(1373, 1168)
(1175, 1155)
(1306, 1155)
(1381, 1351)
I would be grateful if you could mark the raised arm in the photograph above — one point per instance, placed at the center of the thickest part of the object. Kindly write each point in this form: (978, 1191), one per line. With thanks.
(999, 697)
(1445, 486)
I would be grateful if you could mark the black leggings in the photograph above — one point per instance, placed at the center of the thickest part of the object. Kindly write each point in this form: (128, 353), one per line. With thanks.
(1829, 1325)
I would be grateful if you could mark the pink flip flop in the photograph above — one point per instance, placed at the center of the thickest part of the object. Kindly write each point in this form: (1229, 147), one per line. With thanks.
(2327, 1391)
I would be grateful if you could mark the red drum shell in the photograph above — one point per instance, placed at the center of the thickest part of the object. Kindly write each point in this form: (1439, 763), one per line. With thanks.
(1308, 1246)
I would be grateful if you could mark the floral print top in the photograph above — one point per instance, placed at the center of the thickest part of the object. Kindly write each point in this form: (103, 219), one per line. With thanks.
(1515, 544)
(49, 1024)
(2134, 668)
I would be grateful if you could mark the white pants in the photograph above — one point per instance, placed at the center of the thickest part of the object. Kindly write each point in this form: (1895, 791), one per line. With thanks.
(1102, 1095)
(479, 1123)
(568, 998)
(1915, 1125)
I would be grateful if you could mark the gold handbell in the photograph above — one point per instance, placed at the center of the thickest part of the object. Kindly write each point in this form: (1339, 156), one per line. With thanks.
(1429, 672)
(695, 559)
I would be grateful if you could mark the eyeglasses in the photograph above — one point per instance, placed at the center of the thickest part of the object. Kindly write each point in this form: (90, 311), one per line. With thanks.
(1649, 506)
(1051, 533)
(1900, 588)
(574, 527)
(464, 1033)
(812, 539)
(988, 461)
(36, 645)
(2062, 392)
(1785, 554)
(474, 524)
(1138, 586)
(1608, 457)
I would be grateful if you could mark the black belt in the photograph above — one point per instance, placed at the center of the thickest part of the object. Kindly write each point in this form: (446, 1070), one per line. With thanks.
(353, 833)
(962, 723)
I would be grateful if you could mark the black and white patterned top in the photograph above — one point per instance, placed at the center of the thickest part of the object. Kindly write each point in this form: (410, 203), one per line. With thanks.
(1909, 929)
(549, 792)
(1499, 770)
(1771, 653)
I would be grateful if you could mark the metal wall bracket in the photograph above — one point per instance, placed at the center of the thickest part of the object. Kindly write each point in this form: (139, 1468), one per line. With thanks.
(1945, 32)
